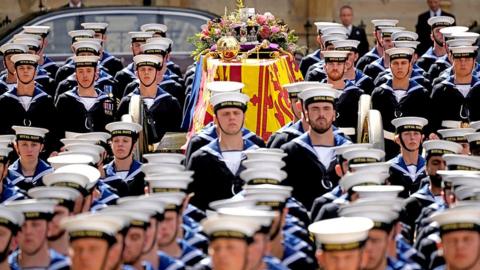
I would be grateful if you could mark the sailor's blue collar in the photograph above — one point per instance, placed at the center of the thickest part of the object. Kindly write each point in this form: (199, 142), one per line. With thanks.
(425, 194)
(160, 92)
(450, 80)
(37, 92)
(349, 85)
(316, 55)
(296, 128)
(380, 63)
(74, 93)
(214, 147)
(399, 161)
(111, 171)
(373, 52)
(209, 132)
(305, 141)
(412, 86)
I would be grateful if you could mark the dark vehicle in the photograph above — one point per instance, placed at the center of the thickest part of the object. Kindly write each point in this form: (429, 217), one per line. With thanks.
(182, 23)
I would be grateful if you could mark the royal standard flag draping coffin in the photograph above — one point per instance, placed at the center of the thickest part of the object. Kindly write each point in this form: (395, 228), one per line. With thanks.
(269, 106)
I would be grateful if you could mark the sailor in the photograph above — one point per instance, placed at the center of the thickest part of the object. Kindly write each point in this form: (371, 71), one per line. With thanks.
(103, 81)
(26, 104)
(382, 237)
(162, 111)
(310, 157)
(259, 257)
(12, 221)
(444, 61)
(166, 78)
(474, 143)
(66, 70)
(173, 70)
(353, 74)
(92, 237)
(33, 249)
(219, 162)
(46, 62)
(34, 43)
(8, 192)
(9, 79)
(169, 238)
(230, 239)
(110, 62)
(81, 181)
(377, 51)
(283, 245)
(66, 197)
(341, 242)
(459, 224)
(27, 171)
(299, 124)
(438, 49)
(456, 134)
(137, 241)
(457, 40)
(315, 57)
(431, 191)
(377, 66)
(416, 73)
(346, 105)
(127, 74)
(84, 108)
(210, 131)
(408, 168)
(458, 91)
(124, 167)
(399, 96)
(316, 71)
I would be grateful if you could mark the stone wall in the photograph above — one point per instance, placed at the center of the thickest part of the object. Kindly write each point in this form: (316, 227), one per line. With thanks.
(295, 12)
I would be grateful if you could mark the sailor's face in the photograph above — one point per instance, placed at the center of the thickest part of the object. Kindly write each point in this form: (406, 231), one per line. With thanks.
(168, 229)
(54, 230)
(26, 73)
(134, 243)
(256, 251)
(8, 62)
(88, 253)
(86, 54)
(335, 70)
(115, 253)
(411, 139)
(136, 48)
(461, 249)
(121, 146)
(147, 74)
(437, 36)
(340, 260)
(5, 235)
(85, 76)
(400, 68)
(387, 43)
(230, 120)
(32, 236)
(434, 164)
(28, 150)
(228, 254)
(296, 110)
(375, 249)
(320, 116)
(463, 66)
(351, 58)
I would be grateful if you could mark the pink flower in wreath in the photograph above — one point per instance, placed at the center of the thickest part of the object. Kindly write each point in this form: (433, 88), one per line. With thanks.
(265, 32)
(261, 19)
(275, 29)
